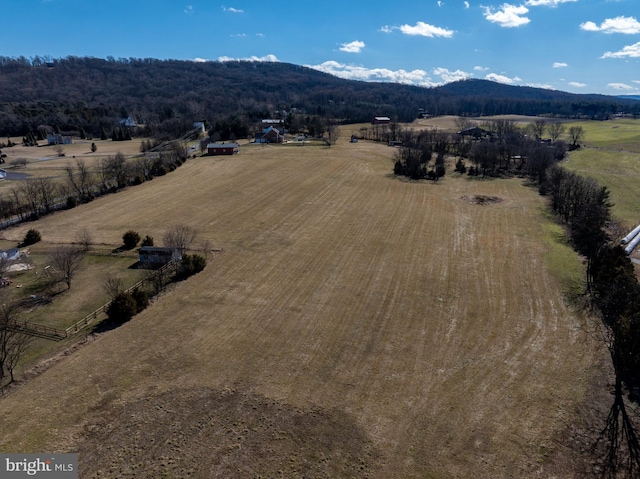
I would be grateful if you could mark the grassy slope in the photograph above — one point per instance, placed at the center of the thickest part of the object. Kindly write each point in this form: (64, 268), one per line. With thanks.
(620, 134)
(612, 156)
(356, 325)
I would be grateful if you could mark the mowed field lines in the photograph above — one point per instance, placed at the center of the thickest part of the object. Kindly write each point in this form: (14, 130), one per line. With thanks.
(356, 325)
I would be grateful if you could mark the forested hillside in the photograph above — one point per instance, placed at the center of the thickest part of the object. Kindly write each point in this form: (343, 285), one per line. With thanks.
(92, 94)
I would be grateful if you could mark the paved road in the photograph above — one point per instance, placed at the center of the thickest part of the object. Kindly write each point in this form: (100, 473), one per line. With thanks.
(12, 175)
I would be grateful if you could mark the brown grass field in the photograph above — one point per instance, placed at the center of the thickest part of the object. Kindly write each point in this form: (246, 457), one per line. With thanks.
(43, 161)
(356, 325)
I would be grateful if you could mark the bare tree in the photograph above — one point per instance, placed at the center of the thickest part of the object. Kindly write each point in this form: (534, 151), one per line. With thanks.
(179, 150)
(118, 169)
(538, 128)
(576, 134)
(79, 178)
(144, 166)
(65, 261)
(103, 173)
(113, 285)
(47, 192)
(59, 150)
(180, 237)
(332, 133)
(38, 195)
(556, 130)
(84, 238)
(113, 170)
(13, 342)
(28, 191)
(206, 246)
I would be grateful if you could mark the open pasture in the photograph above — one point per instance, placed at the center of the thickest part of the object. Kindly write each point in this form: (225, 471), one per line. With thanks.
(619, 171)
(43, 161)
(622, 134)
(612, 156)
(356, 325)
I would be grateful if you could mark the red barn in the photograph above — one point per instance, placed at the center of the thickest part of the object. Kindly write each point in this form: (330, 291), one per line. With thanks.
(222, 148)
(381, 120)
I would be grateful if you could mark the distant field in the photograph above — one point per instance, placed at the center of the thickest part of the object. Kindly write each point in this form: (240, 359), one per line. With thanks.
(356, 325)
(43, 161)
(612, 156)
(619, 172)
(621, 134)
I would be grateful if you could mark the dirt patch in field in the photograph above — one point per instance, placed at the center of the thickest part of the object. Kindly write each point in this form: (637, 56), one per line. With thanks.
(232, 433)
(482, 199)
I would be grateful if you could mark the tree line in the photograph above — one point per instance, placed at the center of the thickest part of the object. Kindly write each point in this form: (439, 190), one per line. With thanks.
(92, 95)
(504, 149)
(35, 197)
(613, 291)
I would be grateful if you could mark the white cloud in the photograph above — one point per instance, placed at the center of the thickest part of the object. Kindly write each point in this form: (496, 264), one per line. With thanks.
(425, 30)
(546, 3)
(501, 78)
(449, 76)
(353, 47)
(440, 3)
(238, 35)
(631, 51)
(620, 86)
(386, 29)
(560, 65)
(628, 25)
(232, 10)
(201, 60)
(576, 84)
(545, 86)
(510, 16)
(266, 58)
(478, 68)
(355, 72)
(466, 5)
(188, 9)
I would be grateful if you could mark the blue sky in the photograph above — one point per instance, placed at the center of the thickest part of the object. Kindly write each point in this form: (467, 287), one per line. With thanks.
(581, 46)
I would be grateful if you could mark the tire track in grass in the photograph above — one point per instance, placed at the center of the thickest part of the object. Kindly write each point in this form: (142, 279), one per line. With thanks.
(342, 288)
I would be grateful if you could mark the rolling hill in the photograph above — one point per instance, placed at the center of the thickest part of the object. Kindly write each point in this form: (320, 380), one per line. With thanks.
(93, 94)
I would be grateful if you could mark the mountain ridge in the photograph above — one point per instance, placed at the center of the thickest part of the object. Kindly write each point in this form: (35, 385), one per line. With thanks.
(93, 94)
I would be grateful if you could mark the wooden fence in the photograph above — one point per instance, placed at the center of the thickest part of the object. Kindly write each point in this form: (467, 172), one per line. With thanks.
(41, 331)
(56, 334)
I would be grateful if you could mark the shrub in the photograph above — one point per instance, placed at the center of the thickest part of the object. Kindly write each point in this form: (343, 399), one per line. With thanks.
(160, 170)
(141, 298)
(32, 237)
(122, 308)
(192, 264)
(130, 239)
(147, 241)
